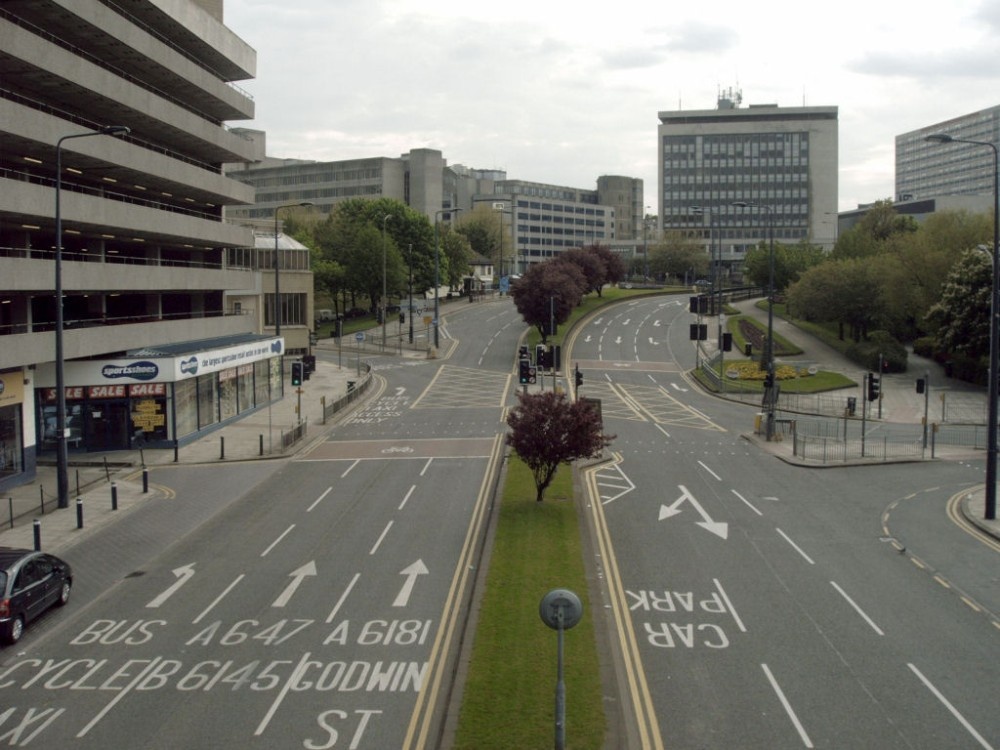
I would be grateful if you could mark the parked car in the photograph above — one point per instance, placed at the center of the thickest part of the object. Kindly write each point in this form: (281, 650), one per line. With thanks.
(30, 583)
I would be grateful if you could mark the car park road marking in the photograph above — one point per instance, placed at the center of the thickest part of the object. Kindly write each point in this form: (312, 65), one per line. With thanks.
(183, 575)
(411, 572)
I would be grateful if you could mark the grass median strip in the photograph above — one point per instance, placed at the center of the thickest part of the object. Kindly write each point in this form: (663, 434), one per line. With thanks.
(509, 699)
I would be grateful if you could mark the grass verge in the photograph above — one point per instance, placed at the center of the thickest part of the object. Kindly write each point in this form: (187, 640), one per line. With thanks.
(509, 698)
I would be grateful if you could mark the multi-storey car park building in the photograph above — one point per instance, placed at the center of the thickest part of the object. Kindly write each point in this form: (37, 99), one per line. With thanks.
(733, 175)
(151, 349)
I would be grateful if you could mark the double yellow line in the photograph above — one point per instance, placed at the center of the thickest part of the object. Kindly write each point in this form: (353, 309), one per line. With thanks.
(638, 697)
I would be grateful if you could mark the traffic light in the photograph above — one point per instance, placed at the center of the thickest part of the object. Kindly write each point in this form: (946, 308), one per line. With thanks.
(541, 355)
(308, 365)
(577, 376)
(873, 386)
(727, 341)
(531, 374)
(402, 317)
(747, 349)
(921, 385)
(523, 366)
(297, 369)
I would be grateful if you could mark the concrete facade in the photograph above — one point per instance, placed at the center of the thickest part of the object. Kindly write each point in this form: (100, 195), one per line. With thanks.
(146, 254)
(930, 170)
(780, 161)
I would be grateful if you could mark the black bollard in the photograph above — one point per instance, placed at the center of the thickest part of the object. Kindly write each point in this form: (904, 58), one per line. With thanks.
(114, 496)
(260, 441)
(222, 447)
(79, 513)
(37, 531)
(41, 498)
(145, 481)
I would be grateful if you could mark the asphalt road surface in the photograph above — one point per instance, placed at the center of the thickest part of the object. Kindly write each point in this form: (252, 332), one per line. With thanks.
(757, 604)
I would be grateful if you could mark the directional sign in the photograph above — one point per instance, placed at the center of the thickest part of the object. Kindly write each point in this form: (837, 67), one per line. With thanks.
(359, 336)
(297, 576)
(411, 572)
(718, 528)
(183, 575)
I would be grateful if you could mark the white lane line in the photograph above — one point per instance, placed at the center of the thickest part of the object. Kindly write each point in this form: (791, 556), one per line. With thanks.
(319, 499)
(718, 478)
(348, 469)
(218, 599)
(343, 598)
(426, 466)
(299, 670)
(795, 546)
(114, 701)
(729, 606)
(788, 707)
(857, 609)
(412, 488)
(380, 538)
(660, 428)
(275, 542)
(747, 502)
(954, 712)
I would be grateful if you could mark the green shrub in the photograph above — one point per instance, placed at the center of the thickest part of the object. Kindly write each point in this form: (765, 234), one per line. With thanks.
(866, 353)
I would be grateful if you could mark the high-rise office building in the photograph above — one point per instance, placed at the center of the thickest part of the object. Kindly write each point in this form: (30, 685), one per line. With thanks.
(734, 175)
(151, 349)
(931, 170)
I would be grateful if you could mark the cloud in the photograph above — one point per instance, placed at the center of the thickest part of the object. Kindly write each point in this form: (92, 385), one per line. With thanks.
(964, 63)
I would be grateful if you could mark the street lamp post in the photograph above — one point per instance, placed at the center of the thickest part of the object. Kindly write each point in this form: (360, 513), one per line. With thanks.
(385, 299)
(437, 272)
(993, 381)
(62, 454)
(277, 266)
(409, 288)
(770, 382)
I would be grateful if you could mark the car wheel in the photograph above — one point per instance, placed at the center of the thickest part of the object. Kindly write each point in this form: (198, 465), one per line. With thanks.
(64, 593)
(16, 630)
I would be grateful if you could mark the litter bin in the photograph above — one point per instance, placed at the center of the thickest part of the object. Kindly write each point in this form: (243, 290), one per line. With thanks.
(758, 422)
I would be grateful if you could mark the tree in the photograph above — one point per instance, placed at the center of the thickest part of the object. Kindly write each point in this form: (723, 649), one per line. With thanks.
(594, 269)
(612, 262)
(455, 247)
(482, 227)
(678, 254)
(847, 292)
(790, 262)
(546, 430)
(962, 316)
(869, 236)
(548, 291)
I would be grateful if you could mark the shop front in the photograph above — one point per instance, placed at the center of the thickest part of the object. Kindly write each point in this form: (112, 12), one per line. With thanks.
(17, 464)
(162, 398)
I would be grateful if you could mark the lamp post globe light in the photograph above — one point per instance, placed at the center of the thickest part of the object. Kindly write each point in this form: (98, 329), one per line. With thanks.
(62, 455)
(277, 265)
(769, 391)
(993, 379)
(437, 272)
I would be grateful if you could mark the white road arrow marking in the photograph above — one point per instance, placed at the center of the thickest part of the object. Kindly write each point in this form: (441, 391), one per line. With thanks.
(183, 575)
(411, 572)
(297, 576)
(626, 321)
(718, 528)
(656, 324)
(618, 339)
(678, 388)
(587, 340)
(653, 341)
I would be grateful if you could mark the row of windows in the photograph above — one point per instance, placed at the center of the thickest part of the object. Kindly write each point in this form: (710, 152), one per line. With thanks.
(309, 178)
(559, 208)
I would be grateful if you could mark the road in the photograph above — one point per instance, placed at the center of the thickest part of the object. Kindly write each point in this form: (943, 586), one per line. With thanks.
(758, 604)
(314, 603)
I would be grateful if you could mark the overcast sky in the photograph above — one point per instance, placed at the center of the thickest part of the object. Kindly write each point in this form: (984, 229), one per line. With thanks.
(562, 92)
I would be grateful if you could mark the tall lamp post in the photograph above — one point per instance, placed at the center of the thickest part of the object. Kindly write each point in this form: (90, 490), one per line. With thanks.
(501, 208)
(385, 298)
(770, 383)
(277, 265)
(437, 272)
(993, 381)
(62, 454)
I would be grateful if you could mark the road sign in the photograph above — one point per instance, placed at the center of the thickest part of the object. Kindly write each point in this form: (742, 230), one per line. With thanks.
(359, 336)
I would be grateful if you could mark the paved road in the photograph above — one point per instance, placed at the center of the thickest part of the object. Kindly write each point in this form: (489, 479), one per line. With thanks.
(761, 604)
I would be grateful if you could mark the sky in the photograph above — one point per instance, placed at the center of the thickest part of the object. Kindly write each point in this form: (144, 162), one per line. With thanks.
(562, 92)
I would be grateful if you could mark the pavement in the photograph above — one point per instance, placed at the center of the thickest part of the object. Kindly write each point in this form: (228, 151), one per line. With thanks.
(103, 480)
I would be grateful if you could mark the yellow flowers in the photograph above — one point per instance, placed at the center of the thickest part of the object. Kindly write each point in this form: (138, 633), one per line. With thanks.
(753, 371)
